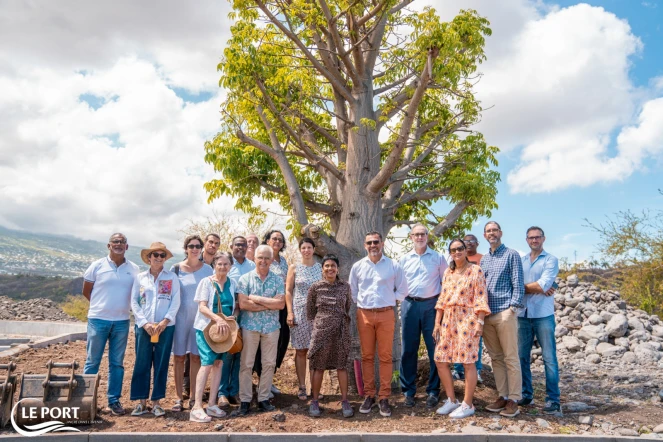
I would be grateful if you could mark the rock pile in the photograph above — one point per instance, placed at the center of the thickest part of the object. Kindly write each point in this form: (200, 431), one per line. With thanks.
(598, 327)
(38, 309)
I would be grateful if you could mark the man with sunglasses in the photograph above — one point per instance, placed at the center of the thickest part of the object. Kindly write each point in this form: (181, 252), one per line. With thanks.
(377, 283)
(504, 282)
(229, 387)
(537, 319)
(424, 270)
(107, 285)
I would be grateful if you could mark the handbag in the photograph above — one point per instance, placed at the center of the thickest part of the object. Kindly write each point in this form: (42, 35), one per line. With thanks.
(239, 343)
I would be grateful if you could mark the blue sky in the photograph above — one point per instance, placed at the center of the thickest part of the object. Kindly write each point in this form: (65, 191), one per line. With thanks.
(98, 115)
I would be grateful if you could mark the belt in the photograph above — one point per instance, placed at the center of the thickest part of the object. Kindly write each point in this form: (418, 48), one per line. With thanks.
(417, 299)
(376, 310)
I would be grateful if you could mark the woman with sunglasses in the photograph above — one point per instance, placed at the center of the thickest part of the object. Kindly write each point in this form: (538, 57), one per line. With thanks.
(190, 272)
(155, 299)
(461, 308)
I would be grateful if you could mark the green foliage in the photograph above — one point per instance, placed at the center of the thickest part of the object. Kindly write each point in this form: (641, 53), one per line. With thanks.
(296, 76)
(633, 245)
(77, 307)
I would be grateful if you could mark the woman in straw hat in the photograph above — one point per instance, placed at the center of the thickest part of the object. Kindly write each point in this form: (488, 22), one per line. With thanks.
(216, 331)
(155, 299)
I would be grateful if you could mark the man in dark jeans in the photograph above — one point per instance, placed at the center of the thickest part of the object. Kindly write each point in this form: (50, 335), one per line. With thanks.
(537, 320)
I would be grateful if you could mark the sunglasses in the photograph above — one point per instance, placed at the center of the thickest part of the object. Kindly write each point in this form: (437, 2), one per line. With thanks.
(457, 249)
(375, 242)
(158, 255)
(119, 241)
(194, 246)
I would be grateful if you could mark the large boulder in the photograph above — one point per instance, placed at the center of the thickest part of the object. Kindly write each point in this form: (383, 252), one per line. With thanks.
(646, 354)
(572, 343)
(593, 332)
(595, 319)
(573, 302)
(617, 326)
(572, 280)
(636, 324)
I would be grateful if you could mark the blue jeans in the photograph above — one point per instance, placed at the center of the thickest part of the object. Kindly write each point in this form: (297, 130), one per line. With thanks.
(544, 330)
(417, 318)
(116, 333)
(478, 364)
(149, 356)
(230, 375)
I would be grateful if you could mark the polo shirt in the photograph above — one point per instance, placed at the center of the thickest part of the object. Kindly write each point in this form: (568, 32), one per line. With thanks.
(543, 270)
(423, 273)
(110, 299)
(377, 285)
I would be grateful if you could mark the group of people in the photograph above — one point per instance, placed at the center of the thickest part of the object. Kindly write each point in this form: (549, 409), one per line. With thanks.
(226, 315)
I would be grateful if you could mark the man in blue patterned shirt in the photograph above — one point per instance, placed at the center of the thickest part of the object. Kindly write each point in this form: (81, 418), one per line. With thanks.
(504, 281)
(261, 294)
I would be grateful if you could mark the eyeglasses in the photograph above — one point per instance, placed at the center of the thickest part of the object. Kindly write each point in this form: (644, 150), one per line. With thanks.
(457, 249)
(472, 241)
(375, 242)
(119, 241)
(533, 238)
(240, 244)
(275, 239)
(158, 255)
(419, 235)
(194, 246)
(492, 231)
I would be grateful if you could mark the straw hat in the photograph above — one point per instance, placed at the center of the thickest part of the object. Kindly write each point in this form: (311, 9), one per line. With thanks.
(221, 342)
(153, 248)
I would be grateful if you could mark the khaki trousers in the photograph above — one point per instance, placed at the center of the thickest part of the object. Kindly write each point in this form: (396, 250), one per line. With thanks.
(376, 327)
(269, 344)
(500, 334)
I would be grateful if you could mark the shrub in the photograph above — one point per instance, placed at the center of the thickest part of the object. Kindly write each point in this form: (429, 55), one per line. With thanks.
(76, 306)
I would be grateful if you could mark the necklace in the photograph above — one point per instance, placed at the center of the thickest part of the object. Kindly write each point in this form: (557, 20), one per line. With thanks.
(462, 269)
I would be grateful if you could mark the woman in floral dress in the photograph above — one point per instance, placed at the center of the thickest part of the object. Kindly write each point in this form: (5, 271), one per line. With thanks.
(300, 278)
(461, 308)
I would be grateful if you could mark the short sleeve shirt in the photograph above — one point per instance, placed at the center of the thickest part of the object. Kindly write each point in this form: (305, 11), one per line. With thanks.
(110, 299)
(266, 321)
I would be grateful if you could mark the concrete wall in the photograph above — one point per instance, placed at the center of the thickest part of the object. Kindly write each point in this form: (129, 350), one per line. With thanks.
(41, 328)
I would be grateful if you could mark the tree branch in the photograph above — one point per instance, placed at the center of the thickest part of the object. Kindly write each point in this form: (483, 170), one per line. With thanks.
(310, 205)
(451, 218)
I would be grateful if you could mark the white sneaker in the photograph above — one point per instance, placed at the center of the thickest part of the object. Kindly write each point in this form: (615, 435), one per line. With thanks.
(462, 412)
(275, 390)
(448, 407)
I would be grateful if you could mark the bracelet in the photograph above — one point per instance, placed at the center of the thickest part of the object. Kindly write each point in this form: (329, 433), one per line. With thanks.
(480, 321)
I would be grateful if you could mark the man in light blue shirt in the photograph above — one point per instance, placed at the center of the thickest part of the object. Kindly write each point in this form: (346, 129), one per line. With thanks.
(377, 283)
(537, 319)
(424, 270)
(229, 386)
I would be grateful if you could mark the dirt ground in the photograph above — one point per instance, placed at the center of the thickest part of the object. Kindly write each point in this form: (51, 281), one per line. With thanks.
(415, 420)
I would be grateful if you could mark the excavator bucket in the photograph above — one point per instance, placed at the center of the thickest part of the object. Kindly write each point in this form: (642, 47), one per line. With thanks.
(7, 389)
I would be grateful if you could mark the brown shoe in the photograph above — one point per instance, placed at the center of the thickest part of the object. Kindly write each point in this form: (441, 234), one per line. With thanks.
(497, 406)
(223, 402)
(511, 409)
(233, 400)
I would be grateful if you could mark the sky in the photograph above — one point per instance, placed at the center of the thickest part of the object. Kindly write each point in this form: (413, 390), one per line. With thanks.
(105, 107)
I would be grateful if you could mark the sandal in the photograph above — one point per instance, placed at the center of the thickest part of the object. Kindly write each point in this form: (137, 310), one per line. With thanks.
(198, 415)
(179, 406)
(302, 394)
(157, 410)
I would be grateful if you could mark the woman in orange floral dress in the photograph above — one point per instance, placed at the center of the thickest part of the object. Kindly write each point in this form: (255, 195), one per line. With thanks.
(462, 305)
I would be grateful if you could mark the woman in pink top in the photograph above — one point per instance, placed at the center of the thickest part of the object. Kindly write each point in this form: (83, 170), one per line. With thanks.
(462, 305)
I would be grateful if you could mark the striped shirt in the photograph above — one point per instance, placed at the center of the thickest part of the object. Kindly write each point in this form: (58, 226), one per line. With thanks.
(504, 278)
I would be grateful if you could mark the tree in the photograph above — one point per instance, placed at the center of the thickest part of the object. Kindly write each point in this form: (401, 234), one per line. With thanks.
(633, 244)
(354, 116)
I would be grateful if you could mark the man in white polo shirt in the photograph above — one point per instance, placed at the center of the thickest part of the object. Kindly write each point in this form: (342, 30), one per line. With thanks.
(107, 286)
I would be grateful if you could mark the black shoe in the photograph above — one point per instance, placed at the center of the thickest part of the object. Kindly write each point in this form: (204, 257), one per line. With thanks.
(409, 401)
(116, 409)
(233, 400)
(265, 406)
(369, 403)
(385, 409)
(552, 408)
(432, 400)
(526, 401)
(244, 408)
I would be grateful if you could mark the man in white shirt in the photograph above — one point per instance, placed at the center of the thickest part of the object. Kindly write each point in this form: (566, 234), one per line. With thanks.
(377, 283)
(424, 270)
(107, 285)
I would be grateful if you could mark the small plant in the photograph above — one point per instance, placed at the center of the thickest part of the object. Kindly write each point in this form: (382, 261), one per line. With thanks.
(566, 430)
(395, 376)
(77, 307)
